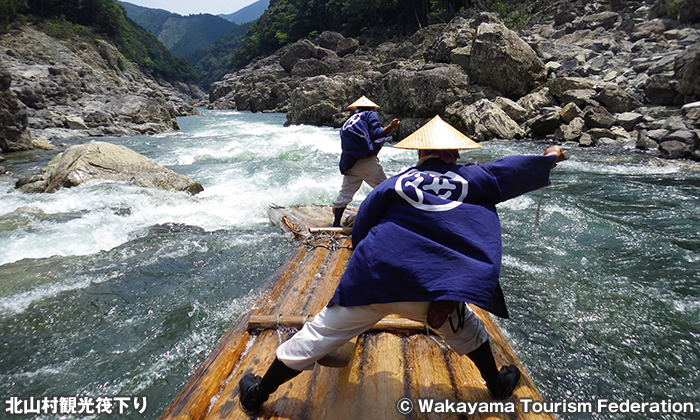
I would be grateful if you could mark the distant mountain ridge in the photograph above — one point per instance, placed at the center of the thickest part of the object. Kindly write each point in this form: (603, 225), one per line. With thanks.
(182, 35)
(249, 13)
(208, 42)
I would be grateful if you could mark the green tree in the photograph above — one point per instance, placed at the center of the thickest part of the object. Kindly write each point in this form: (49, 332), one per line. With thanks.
(9, 9)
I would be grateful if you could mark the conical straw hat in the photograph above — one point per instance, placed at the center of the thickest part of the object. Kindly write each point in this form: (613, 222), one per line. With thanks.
(363, 102)
(437, 135)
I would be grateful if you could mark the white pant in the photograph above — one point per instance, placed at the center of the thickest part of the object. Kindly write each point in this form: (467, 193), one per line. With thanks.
(368, 170)
(335, 325)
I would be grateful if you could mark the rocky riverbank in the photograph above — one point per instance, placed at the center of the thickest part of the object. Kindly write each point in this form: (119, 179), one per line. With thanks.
(52, 89)
(591, 76)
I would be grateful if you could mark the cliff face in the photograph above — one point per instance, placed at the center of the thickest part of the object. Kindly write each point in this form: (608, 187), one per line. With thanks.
(61, 89)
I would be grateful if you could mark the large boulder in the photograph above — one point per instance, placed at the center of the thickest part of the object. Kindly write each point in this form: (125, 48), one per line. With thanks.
(533, 102)
(99, 160)
(683, 10)
(330, 40)
(500, 59)
(300, 50)
(687, 69)
(13, 118)
(457, 34)
(347, 46)
(337, 43)
(262, 86)
(560, 85)
(544, 124)
(311, 67)
(615, 99)
(661, 89)
(422, 92)
(604, 20)
(484, 120)
(322, 100)
(599, 117)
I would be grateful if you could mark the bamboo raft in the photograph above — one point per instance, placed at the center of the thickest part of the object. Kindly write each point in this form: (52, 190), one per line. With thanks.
(397, 358)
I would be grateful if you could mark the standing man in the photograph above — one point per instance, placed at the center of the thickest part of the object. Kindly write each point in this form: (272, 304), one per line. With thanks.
(361, 138)
(426, 241)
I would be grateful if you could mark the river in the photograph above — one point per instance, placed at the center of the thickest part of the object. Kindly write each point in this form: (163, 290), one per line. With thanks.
(110, 290)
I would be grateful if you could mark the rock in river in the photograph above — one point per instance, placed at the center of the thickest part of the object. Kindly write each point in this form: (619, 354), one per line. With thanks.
(105, 161)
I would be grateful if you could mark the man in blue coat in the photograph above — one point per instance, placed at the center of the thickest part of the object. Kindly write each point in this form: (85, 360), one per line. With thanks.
(426, 241)
(361, 138)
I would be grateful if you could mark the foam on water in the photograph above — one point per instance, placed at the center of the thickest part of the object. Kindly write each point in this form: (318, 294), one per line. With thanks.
(244, 167)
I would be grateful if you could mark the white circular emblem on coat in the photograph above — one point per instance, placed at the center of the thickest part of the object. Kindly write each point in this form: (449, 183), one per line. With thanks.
(449, 188)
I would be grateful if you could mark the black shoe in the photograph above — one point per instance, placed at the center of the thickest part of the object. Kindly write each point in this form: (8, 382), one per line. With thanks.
(252, 395)
(508, 378)
(338, 216)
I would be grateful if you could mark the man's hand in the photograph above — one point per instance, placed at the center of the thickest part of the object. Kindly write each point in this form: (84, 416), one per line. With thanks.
(558, 152)
(394, 124)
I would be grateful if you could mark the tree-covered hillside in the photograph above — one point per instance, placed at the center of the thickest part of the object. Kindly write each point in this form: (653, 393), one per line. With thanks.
(102, 18)
(214, 61)
(286, 21)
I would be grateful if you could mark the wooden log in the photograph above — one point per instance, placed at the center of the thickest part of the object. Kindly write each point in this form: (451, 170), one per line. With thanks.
(271, 322)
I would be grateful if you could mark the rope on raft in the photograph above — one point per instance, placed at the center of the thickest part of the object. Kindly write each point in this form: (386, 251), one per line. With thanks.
(328, 240)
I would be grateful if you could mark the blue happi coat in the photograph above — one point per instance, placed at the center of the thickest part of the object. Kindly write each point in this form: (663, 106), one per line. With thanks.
(361, 136)
(433, 233)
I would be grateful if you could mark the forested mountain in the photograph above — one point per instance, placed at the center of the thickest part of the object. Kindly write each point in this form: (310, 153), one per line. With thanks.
(102, 18)
(214, 61)
(206, 41)
(182, 35)
(249, 13)
(286, 21)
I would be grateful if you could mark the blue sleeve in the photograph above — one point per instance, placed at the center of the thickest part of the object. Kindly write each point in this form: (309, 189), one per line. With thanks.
(517, 175)
(374, 125)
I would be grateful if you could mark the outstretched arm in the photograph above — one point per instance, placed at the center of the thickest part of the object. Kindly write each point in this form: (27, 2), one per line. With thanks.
(517, 175)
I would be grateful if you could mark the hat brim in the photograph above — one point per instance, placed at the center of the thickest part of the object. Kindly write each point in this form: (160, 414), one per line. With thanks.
(363, 102)
(436, 134)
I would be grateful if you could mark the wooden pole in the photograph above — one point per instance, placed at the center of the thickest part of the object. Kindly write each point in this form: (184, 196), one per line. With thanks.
(271, 322)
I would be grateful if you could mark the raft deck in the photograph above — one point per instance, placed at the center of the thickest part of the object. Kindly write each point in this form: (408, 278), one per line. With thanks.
(397, 358)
